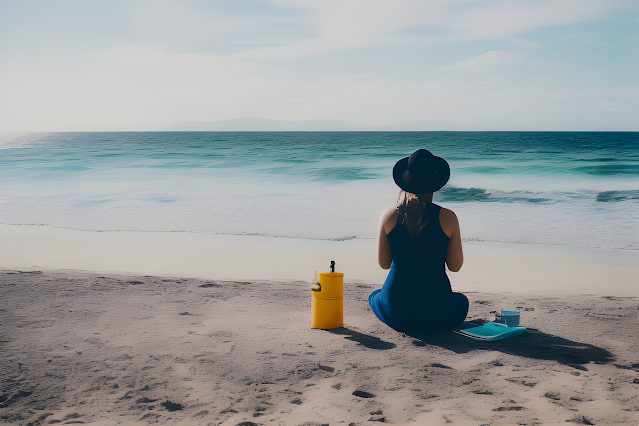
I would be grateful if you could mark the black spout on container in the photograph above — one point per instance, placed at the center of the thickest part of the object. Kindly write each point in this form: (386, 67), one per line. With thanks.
(332, 266)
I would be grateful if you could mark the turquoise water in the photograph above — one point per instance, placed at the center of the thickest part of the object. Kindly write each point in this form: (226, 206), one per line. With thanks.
(564, 188)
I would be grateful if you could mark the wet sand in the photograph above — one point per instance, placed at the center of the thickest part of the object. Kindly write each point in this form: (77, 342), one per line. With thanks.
(488, 267)
(124, 349)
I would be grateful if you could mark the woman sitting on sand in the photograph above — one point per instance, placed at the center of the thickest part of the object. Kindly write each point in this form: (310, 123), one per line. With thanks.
(416, 238)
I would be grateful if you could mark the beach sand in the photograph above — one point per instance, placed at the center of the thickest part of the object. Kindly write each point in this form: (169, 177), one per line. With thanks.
(80, 347)
(488, 267)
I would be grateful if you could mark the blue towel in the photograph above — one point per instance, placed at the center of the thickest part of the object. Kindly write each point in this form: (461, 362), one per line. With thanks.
(492, 331)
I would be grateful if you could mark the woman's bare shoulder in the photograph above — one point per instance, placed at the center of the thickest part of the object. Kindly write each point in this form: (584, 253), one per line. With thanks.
(388, 212)
(446, 213)
(448, 221)
(388, 218)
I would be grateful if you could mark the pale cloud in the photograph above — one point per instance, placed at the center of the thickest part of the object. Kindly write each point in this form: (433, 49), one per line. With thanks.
(497, 19)
(349, 24)
(204, 26)
(484, 61)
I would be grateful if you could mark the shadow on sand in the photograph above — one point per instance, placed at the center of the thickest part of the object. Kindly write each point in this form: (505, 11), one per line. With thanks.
(532, 344)
(371, 342)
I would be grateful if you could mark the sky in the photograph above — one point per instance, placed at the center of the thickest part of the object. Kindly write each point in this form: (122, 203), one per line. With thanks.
(139, 65)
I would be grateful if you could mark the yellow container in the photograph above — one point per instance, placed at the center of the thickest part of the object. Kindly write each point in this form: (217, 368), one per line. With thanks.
(327, 305)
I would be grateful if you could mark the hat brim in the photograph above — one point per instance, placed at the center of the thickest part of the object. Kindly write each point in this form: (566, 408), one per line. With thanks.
(443, 174)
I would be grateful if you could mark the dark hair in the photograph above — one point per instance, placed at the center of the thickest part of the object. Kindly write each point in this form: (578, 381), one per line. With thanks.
(412, 210)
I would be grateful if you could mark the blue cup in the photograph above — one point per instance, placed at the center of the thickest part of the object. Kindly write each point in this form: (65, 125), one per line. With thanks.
(510, 318)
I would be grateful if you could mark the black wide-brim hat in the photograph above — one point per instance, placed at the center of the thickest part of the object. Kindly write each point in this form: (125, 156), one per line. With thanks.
(421, 173)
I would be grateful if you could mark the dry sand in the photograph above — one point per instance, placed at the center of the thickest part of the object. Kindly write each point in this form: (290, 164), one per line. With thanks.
(115, 349)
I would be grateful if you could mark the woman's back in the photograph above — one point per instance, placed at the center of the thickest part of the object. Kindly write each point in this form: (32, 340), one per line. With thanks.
(422, 253)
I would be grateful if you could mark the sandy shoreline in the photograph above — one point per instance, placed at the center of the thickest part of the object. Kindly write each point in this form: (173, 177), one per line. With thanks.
(489, 267)
(111, 349)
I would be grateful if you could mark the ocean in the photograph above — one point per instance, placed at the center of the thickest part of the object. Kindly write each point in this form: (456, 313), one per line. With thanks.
(576, 189)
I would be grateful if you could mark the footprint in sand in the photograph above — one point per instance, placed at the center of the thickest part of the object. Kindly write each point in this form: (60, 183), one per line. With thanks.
(513, 408)
(553, 395)
(377, 417)
(523, 382)
(71, 416)
(172, 406)
(151, 416)
(437, 365)
(582, 420)
(578, 367)
(363, 394)
(259, 411)
(326, 368)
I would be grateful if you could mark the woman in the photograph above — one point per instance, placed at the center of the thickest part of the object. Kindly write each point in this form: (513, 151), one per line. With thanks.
(416, 238)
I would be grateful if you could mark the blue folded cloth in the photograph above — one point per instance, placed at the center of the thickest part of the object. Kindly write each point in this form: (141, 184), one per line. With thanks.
(492, 331)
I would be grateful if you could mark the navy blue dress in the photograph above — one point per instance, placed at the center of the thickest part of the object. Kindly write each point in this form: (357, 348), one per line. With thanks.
(416, 297)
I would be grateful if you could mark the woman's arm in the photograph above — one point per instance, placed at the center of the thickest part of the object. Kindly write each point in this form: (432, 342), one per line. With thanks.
(384, 256)
(450, 225)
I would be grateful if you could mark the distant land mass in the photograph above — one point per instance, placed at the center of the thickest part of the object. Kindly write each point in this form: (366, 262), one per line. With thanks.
(257, 124)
